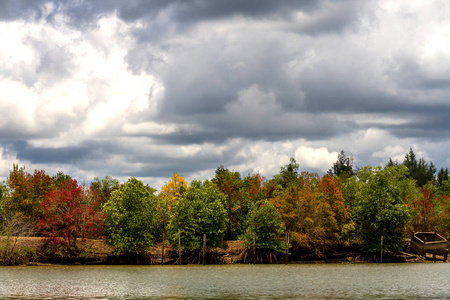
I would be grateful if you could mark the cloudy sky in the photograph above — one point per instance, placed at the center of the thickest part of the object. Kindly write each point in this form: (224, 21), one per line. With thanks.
(146, 88)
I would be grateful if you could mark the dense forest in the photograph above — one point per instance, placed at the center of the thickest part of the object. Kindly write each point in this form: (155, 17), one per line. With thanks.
(295, 210)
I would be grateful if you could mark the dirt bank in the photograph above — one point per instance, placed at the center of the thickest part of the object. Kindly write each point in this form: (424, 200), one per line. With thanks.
(33, 250)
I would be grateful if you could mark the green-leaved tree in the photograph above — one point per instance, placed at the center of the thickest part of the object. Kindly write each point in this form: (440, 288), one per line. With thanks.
(199, 211)
(264, 227)
(381, 206)
(131, 220)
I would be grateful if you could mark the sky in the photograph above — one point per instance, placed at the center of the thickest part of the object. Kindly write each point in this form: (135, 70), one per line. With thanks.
(145, 88)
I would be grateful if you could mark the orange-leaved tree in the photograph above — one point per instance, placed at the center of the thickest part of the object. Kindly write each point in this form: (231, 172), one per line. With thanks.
(25, 193)
(297, 206)
(424, 210)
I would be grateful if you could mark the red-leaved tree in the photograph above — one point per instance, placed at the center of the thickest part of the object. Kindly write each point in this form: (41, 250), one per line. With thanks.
(69, 214)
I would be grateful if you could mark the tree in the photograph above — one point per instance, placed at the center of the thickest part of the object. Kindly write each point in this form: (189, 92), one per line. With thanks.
(199, 211)
(335, 217)
(343, 167)
(265, 226)
(381, 206)
(443, 214)
(174, 189)
(104, 187)
(443, 188)
(288, 173)
(69, 215)
(424, 210)
(313, 211)
(419, 170)
(294, 209)
(25, 194)
(130, 217)
(2, 201)
(170, 194)
(392, 163)
(229, 183)
(163, 213)
(442, 176)
(59, 178)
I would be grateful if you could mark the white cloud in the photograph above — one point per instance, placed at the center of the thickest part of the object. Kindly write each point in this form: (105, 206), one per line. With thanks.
(17, 105)
(315, 158)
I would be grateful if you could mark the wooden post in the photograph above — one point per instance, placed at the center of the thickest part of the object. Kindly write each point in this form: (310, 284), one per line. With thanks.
(204, 249)
(254, 249)
(381, 250)
(162, 251)
(287, 248)
(179, 248)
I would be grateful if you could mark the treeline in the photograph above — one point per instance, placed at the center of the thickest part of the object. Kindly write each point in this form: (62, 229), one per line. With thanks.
(347, 206)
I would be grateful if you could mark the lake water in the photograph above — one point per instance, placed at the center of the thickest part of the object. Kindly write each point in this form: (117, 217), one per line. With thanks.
(303, 281)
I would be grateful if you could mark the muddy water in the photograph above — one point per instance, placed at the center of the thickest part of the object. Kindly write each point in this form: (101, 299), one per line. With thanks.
(306, 281)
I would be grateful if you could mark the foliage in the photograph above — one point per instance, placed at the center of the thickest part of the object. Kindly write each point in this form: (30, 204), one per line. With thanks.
(70, 214)
(313, 210)
(25, 193)
(131, 222)
(171, 192)
(174, 189)
(424, 210)
(104, 187)
(163, 215)
(60, 177)
(252, 190)
(443, 188)
(443, 215)
(381, 209)
(343, 167)
(442, 176)
(288, 174)
(229, 183)
(335, 215)
(2, 201)
(317, 212)
(199, 211)
(265, 226)
(419, 170)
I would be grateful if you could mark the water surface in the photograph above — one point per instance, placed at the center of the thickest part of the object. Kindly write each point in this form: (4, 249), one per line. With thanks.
(304, 281)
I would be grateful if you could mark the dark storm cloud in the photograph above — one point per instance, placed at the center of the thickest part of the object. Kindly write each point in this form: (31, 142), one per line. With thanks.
(254, 127)
(412, 74)
(183, 12)
(13, 9)
(343, 95)
(223, 76)
(332, 18)
(206, 9)
(430, 123)
(89, 150)
(188, 11)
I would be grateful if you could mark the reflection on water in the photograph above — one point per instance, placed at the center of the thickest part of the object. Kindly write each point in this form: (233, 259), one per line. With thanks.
(326, 281)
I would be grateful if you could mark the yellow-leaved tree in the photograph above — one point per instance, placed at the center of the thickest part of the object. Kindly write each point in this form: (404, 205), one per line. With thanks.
(174, 189)
(171, 192)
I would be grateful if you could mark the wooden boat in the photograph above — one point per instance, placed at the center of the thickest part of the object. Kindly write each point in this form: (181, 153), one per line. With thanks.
(429, 242)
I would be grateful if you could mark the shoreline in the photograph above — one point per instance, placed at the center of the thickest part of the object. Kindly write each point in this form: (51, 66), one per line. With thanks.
(96, 252)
